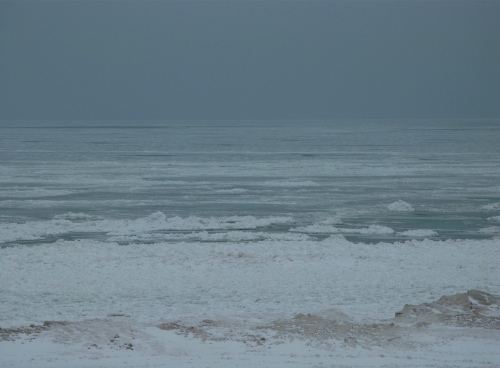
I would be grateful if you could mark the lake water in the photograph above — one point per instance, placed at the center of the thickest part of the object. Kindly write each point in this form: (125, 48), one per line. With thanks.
(205, 181)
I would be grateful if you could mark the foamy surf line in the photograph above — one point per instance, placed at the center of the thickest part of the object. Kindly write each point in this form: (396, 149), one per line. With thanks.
(149, 227)
(158, 227)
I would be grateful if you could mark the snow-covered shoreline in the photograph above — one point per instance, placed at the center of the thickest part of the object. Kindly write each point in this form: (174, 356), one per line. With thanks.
(85, 279)
(455, 331)
(239, 291)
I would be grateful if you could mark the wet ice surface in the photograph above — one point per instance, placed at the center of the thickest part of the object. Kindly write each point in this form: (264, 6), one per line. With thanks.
(193, 241)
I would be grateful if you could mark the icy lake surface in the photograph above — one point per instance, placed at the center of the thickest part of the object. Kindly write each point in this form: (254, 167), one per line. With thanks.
(243, 223)
(369, 180)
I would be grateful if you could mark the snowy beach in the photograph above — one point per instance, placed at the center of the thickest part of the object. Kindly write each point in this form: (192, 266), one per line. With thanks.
(225, 244)
(276, 303)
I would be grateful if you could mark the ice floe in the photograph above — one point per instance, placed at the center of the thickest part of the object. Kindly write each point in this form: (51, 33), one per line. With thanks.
(400, 206)
(418, 233)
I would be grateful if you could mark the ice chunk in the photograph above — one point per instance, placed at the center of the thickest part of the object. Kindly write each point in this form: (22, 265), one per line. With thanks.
(400, 206)
(418, 233)
(492, 206)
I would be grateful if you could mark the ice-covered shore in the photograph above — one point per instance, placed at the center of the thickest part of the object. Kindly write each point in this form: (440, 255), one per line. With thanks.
(461, 330)
(293, 301)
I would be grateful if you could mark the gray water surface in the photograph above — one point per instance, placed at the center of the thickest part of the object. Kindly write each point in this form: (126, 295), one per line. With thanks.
(448, 171)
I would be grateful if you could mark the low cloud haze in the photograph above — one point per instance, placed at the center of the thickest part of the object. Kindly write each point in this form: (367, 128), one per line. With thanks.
(249, 59)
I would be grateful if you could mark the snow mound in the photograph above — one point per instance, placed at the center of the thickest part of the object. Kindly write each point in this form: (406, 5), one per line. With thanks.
(329, 330)
(471, 309)
(400, 206)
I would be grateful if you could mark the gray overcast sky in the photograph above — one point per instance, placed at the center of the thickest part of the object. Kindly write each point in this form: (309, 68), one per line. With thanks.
(249, 59)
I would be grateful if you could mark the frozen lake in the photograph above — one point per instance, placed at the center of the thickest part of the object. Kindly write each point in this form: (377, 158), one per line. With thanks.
(396, 176)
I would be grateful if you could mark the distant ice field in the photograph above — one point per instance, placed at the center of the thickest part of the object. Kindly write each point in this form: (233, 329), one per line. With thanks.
(384, 181)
